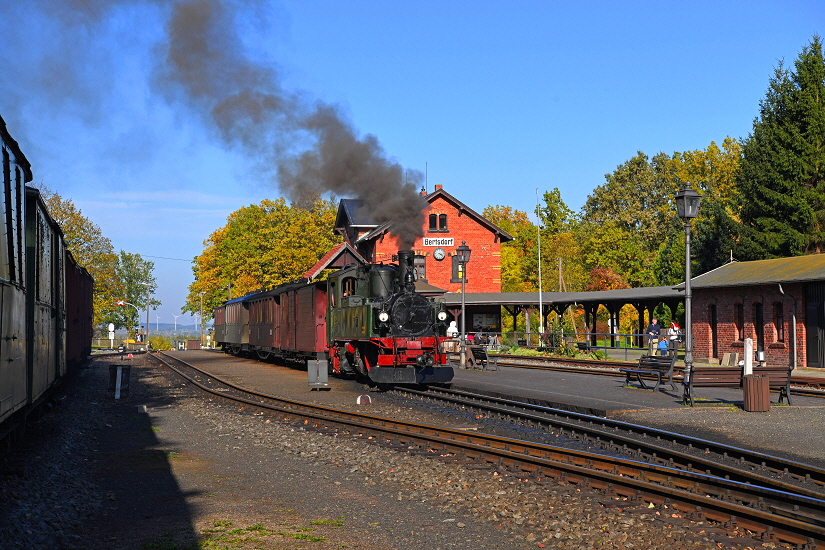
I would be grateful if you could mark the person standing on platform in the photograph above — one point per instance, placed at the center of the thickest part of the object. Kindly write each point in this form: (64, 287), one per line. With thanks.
(653, 330)
(673, 337)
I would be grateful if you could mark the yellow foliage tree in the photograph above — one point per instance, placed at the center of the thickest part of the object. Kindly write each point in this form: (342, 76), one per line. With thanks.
(261, 246)
(90, 248)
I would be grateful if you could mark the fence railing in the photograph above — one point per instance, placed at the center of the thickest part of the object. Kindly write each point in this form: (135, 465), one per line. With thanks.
(605, 341)
(105, 343)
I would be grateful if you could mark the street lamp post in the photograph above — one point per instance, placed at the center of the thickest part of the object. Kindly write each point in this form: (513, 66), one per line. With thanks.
(463, 253)
(687, 207)
(125, 303)
(201, 318)
(148, 291)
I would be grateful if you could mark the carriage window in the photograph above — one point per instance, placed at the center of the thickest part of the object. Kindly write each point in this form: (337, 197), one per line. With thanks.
(332, 290)
(8, 269)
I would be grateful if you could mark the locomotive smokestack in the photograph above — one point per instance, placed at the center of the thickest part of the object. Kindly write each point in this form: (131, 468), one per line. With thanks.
(406, 269)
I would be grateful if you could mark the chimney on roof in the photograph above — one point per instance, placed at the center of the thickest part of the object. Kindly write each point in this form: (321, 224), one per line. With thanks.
(423, 191)
(438, 187)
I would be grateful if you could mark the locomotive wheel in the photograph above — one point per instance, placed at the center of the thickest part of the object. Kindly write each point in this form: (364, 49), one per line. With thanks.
(234, 350)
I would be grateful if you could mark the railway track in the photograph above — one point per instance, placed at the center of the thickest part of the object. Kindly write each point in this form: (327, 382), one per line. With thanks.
(800, 385)
(792, 514)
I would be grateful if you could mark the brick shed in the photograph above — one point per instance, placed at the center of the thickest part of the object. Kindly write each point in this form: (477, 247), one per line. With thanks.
(779, 303)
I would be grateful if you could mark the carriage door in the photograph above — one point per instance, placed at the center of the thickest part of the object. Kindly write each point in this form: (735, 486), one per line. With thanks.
(815, 324)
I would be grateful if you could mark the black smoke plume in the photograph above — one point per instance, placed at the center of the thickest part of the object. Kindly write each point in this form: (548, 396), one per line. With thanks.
(204, 66)
(200, 64)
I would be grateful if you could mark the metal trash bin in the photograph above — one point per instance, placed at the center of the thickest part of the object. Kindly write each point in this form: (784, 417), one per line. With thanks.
(757, 391)
(124, 378)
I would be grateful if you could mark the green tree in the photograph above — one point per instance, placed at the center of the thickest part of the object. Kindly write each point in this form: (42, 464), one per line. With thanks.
(90, 248)
(137, 286)
(627, 221)
(782, 181)
(261, 246)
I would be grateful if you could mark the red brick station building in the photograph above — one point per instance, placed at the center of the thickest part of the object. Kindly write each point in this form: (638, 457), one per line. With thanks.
(779, 303)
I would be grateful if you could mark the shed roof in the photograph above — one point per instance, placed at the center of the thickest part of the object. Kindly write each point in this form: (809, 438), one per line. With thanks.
(339, 256)
(797, 269)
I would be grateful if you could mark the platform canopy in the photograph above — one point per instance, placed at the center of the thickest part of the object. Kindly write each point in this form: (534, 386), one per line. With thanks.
(560, 301)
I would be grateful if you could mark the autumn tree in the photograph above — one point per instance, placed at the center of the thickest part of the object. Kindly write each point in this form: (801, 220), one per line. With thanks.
(782, 181)
(713, 171)
(562, 268)
(514, 254)
(90, 248)
(260, 247)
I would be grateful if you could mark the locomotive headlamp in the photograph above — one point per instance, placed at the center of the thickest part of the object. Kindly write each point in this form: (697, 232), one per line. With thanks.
(442, 315)
(383, 316)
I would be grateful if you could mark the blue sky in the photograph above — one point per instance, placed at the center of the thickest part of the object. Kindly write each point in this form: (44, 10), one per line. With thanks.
(492, 99)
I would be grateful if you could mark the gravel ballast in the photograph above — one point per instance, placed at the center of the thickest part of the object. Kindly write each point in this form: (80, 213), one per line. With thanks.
(100, 473)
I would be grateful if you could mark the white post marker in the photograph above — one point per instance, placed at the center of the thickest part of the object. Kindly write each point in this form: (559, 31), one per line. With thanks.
(117, 382)
(748, 356)
(111, 335)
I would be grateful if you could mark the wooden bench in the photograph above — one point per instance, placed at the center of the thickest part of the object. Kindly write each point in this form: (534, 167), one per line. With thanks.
(482, 359)
(652, 365)
(779, 377)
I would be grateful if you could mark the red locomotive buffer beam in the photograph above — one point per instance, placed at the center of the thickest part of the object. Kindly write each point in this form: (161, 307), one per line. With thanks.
(422, 351)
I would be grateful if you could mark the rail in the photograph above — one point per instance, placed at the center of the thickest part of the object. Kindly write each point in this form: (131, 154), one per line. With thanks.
(788, 516)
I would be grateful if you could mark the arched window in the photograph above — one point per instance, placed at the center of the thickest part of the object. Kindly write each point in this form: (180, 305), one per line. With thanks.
(739, 311)
(779, 321)
(442, 222)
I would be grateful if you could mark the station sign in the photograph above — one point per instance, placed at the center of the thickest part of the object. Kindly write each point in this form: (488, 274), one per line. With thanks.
(443, 241)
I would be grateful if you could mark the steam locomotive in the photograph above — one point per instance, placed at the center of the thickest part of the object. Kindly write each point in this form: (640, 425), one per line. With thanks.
(365, 320)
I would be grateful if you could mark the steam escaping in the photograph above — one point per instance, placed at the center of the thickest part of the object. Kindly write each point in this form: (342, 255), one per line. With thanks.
(204, 67)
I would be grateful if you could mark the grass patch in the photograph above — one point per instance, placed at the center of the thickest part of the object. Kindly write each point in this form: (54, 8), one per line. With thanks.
(333, 522)
(224, 534)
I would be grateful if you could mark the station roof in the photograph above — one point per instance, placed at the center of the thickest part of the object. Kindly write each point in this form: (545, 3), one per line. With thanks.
(798, 269)
(563, 299)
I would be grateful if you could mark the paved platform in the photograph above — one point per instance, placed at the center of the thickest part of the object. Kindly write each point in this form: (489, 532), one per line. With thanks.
(601, 395)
